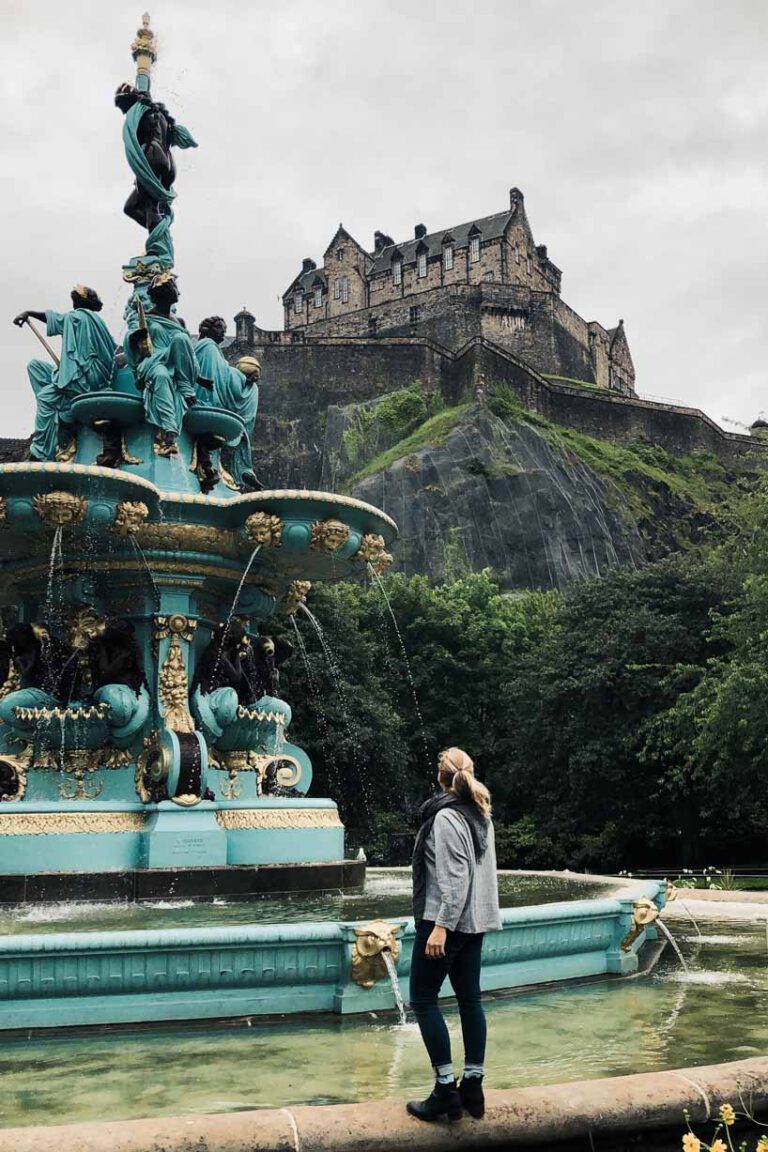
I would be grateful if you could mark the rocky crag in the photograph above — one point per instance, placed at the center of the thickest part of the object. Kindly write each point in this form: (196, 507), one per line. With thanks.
(490, 485)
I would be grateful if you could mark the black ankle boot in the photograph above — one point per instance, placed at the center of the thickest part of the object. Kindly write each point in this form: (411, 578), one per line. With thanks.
(472, 1096)
(443, 1100)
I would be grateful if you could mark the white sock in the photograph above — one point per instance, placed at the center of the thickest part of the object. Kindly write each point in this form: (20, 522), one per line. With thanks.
(471, 1070)
(445, 1074)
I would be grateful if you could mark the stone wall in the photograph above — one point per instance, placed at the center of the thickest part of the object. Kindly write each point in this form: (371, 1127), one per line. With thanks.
(302, 379)
(536, 326)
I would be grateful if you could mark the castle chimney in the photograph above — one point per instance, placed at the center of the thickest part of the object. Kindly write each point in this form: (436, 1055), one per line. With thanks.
(541, 250)
(419, 231)
(381, 241)
(245, 327)
(308, 264)
(515, 197)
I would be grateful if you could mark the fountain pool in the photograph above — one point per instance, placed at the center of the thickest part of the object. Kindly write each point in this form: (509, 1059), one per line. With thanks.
(89, 965)
(664, 1020)
(387, 894)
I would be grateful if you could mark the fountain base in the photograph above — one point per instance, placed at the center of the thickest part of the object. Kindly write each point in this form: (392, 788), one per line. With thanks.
(40, 839)
(229, 883)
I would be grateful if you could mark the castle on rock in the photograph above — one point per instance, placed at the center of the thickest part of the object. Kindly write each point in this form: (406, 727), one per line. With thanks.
(484, 278)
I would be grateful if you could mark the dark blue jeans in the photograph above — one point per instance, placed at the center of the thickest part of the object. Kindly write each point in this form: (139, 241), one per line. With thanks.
(461, 964)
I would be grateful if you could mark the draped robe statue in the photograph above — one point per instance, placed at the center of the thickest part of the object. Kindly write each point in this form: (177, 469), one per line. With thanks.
(229, 388)
(149, 133)
(163, 358)
(240, 394)
(87, 365)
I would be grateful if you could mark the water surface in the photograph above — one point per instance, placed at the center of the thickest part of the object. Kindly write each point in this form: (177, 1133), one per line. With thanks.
(387, 894)
(666, 1020)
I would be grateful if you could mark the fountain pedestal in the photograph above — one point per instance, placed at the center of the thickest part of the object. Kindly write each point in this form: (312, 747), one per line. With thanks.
(179, 838)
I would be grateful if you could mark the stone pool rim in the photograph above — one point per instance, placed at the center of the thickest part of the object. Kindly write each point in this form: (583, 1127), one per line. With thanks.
(551, 1114)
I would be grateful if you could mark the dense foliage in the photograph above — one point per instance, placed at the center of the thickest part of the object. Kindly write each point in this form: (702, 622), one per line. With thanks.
(620, 725)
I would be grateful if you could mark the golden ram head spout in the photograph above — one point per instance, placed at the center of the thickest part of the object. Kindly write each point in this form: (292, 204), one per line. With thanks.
(372, 941)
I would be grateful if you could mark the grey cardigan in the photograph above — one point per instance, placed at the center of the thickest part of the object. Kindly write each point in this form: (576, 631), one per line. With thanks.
(461, 892)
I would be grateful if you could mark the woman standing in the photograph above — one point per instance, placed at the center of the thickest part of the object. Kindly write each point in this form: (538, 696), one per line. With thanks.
(455, 901)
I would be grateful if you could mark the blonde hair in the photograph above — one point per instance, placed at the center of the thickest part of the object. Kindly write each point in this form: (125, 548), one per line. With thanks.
(456, 772)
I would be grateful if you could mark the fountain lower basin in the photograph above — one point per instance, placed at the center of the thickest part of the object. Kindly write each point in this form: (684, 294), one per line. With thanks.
(82, 979)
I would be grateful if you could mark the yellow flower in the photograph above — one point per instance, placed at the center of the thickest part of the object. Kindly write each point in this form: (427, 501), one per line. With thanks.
(727, 1114)
(718, 1146)
(691, 1143)
(762, 1144)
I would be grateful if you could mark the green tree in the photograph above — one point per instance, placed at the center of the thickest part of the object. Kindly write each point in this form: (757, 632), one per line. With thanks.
(576, 786)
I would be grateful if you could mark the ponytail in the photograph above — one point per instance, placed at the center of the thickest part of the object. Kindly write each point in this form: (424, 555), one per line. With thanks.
(456, 772)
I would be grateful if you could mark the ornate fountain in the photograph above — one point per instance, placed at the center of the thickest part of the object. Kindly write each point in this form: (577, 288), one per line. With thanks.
(144, 747)
(140, 564)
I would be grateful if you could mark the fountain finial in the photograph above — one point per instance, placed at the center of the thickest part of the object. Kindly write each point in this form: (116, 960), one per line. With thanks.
(144, 52)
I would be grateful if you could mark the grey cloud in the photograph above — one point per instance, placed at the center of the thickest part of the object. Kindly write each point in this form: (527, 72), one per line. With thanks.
(636, 130)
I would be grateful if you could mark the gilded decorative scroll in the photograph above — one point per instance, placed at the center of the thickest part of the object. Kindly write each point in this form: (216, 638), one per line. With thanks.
(14, 767)
(242, 818)
(79, 765)
(174, 683)
(65, 823)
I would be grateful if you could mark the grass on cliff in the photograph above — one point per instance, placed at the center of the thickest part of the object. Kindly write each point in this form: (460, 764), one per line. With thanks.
(638, 469)
(646, 475)
(432, 431)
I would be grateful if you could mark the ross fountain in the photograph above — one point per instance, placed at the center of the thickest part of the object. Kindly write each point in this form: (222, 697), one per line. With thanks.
(139, 494)
(143, 743)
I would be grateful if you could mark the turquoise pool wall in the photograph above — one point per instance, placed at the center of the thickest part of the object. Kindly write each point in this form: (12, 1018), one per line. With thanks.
(84, 979)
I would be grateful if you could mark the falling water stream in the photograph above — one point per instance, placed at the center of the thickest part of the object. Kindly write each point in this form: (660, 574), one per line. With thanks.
(689, 914)
(380, 584)
(233, 609)
(674, 944)
(333, 666)
(141, 556)
(55, 573)
(314, 690)
(397, 991)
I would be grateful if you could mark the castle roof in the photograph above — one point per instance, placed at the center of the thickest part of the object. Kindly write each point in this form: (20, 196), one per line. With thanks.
(489, 228)
(306, 281)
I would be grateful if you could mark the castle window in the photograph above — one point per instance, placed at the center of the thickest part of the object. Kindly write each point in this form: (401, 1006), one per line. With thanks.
(345, 289)
(528, 263)
(298, 303)
(516, 251)
(448, 257)
(414, 313)
(421, 264)
(340, 254)
(488, 276)
(373, 325)
(474, 250)
(337, 288)
(318, 297)
(397, 272)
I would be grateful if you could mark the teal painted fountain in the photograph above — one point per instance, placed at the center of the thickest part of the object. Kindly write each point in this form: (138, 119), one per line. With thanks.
(140, 565)
(144, 746)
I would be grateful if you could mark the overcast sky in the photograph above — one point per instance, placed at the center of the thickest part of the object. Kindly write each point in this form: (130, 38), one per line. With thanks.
(637, 130)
